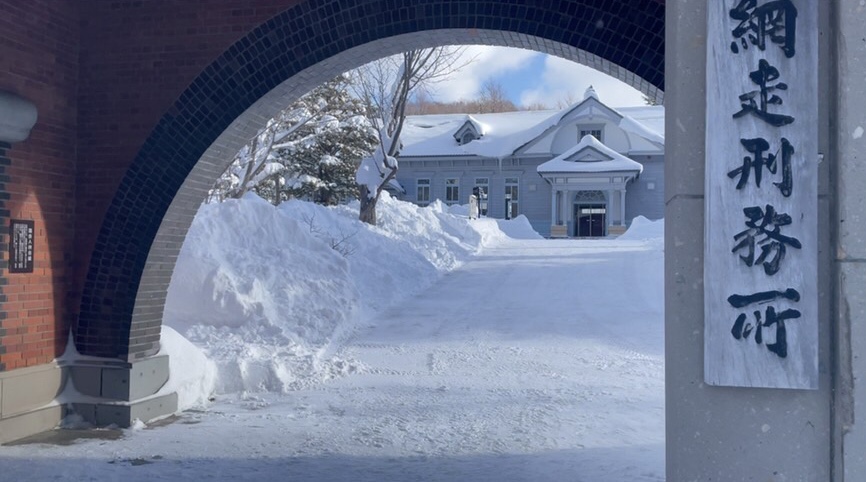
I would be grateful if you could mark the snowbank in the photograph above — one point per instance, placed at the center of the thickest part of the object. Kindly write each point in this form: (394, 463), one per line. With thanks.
(643, 229)
(518, 228)
(269, 293)
(241, 290)
(191, 374)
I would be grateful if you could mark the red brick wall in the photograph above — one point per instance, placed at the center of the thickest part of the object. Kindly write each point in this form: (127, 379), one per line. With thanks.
(136, 59)
(39, 61)
(101, 73)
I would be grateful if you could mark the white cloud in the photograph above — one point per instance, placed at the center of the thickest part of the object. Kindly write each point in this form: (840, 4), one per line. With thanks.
(557, 80)
(488, 62)
(562, 79)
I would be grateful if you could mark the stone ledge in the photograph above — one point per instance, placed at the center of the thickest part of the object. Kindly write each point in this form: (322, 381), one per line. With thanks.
(558, 231)
(29, 423)
(616, 230)
(26, 389)
(125, 413)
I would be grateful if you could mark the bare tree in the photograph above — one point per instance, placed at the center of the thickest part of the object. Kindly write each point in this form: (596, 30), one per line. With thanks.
(386, 86)
(493, 98)
(535, 106)
(568, 99)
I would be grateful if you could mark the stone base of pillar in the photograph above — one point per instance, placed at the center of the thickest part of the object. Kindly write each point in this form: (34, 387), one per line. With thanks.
(122, 392)
(124, 414)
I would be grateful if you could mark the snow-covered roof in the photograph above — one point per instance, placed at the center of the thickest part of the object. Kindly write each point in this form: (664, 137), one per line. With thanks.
(646, 120)
(590, 155)
(433, 135)
(506, 132)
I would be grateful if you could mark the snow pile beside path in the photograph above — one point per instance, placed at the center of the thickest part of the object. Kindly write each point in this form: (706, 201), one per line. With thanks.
(518, 228)
(409, 248)
(270, 293)
(191, 374)
(643, 229)
(261, 294)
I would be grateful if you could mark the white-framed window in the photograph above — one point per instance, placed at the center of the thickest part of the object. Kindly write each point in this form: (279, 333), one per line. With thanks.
(591, 131)
(512, 191)
(423, 191)
(452, 191)
(483, 189)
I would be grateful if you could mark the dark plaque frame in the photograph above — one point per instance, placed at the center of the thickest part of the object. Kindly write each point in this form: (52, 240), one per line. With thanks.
(21, 246)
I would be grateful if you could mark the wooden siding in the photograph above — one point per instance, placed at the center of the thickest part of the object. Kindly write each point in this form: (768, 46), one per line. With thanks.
(534, 194)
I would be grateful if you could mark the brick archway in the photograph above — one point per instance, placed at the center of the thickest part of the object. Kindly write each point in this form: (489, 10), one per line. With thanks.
(143, 229)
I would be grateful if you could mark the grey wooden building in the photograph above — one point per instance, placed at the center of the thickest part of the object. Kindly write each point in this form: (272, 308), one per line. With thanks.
(583, 171)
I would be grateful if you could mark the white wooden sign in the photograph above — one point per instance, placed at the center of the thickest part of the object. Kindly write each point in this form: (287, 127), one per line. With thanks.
(761, 243)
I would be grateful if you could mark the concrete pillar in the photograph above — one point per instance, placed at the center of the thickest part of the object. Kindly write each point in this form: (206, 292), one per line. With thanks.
(622, 207)
(723, 433)
(609, 210)
(568, 209)
(846, 161)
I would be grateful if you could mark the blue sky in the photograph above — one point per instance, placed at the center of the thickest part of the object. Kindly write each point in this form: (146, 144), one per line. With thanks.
(532, 77)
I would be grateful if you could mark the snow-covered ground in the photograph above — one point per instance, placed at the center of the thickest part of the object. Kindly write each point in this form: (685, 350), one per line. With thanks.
(431, 348)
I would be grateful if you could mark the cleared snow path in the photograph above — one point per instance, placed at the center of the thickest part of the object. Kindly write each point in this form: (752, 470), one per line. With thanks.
(538, 360)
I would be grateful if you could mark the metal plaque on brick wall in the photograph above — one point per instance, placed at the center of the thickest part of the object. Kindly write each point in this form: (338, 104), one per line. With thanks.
(761, 231)
(21, 246)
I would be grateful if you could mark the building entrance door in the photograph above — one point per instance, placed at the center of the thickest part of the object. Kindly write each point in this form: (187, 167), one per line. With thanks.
(590, 220)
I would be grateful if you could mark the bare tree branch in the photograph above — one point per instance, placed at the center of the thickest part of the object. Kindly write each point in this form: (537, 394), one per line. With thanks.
(387, 86)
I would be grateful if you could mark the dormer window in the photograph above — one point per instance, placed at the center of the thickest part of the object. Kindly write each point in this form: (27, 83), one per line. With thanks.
(594, 131)
(469, 131)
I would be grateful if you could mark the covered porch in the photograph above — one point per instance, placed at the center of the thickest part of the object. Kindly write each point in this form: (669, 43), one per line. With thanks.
(588, 189)
(586, 211)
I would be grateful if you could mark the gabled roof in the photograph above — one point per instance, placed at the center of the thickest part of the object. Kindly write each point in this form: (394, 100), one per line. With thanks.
(503, 134)
(590, 104)
(590, 155)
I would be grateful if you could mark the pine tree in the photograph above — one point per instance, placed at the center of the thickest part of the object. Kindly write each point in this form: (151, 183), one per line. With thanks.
(322, 156)
(311, 151)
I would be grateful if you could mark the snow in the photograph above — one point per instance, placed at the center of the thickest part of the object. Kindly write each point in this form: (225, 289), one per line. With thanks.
(643, 229)
(631, 125)
(615, 161)
(270, 311)
(193, 375)
(433, 135)
(504, 133)
(431, 348)
(374, 168)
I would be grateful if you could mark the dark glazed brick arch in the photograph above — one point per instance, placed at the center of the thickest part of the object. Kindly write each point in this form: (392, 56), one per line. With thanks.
(144, 228)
